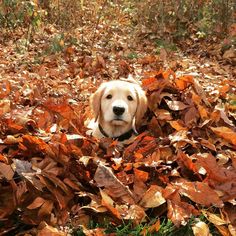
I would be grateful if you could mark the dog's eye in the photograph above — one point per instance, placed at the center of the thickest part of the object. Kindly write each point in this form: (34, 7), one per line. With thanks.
(130, 98)
(109, 96)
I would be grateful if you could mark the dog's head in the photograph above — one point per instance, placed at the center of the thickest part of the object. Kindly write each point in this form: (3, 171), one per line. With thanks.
(119, 103)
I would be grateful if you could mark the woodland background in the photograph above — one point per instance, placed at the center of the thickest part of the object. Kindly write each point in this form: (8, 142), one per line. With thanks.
(178, 176)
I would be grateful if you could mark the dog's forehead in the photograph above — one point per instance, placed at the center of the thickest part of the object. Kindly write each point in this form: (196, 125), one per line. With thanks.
(118, 85)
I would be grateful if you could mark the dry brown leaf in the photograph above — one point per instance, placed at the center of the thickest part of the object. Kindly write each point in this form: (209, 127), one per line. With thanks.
(45, 209)
(177, 125)
(5, 89)
(5, 106)
(184, 81)
(47, 230)
(152, 229)
(8, 202)
(94, 232)
(153, 197)
(104, 177)
(214, 219)
(229, 53)
(197, 191)
(223, 230)
(232, 229)
(176, 105)
(6, 171)
(191, 116)
(110, 205)
(38, 202)
(136, 214)
(201, 229)
(141, 175)
(178, 211)
(225, 133)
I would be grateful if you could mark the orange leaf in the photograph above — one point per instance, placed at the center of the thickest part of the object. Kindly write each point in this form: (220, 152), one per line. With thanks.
(224, 89)
(184, 81)
(138, 156)
(70, 50)
(141, 175)
(128, 166)
(109, 204)
(3, 159)
(223, 230)
(176, 124)
(38, 202)
(196, 99)
(149, 81)
(181, 84)
(166, 74)
(225, 133)
(151, 229)
(46, 209)
(5, 89)
(203, 112)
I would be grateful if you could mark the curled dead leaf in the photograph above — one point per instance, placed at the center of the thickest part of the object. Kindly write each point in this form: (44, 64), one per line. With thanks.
(104, 177)
(201, 229)
(153, 197)
(108, 202)
(213, 218)
(176, 105)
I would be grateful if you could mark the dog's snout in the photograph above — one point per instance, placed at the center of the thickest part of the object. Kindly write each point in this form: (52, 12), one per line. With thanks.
(118, 110)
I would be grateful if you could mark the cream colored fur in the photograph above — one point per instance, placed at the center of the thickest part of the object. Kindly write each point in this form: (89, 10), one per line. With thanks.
(124, 94)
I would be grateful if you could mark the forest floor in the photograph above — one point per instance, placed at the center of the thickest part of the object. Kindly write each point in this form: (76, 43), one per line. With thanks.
(54, 178)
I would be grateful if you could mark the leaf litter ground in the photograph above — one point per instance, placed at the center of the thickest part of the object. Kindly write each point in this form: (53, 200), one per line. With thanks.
(181, 165)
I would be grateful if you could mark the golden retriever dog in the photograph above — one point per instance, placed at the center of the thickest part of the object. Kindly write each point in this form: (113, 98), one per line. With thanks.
(118, 107)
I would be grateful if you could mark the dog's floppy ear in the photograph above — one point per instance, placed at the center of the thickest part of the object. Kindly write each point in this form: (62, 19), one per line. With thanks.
(95, 101)
(141, 105)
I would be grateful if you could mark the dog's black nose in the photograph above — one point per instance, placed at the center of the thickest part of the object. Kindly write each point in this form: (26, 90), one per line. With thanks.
(118, 110)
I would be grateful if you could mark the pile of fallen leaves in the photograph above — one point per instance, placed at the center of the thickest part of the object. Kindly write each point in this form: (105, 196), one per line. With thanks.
(182, 164)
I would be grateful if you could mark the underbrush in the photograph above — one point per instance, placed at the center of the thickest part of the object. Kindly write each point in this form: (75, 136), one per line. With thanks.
(169, 21)
(156, 227)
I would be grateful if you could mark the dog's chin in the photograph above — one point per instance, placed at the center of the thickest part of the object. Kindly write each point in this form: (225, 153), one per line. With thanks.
(118, 122)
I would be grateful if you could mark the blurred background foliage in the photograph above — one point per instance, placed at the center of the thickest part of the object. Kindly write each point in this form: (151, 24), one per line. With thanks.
(166, 19)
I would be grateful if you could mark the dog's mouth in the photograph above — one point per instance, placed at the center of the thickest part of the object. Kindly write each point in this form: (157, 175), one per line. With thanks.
(118, 121)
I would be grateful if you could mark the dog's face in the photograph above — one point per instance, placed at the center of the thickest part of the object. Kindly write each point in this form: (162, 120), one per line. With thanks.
(119, 103)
